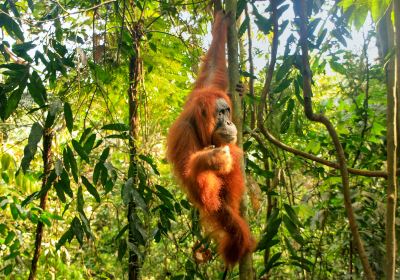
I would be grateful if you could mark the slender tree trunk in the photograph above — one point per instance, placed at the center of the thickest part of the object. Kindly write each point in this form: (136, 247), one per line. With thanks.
(251, 70)
(246, 264)
(271, 201)
(47, 163)
(233, 69)
(307, 93)
(393, 84)
(263, 106)
(134, 78)
(386, 42)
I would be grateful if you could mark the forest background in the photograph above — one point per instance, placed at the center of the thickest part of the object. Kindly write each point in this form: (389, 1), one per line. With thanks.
(88, 90)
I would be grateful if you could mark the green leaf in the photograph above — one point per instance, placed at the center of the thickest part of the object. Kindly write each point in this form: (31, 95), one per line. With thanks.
(37, 89)
(293, 216)
(284, 68)
(339, 36)
(9, 238)
(164, 192)
(45, 219)
(104, 154)
(293, 230)
(272, 261)
(59, 30)
(69, 121)
(11, 26)
(60, 192)
(6, 160)
(263, 24)
(91, 189)
(286, 117)
(150, 162)
(243, 27)
(104, 174)
(302, 262)
(30, 149)
(72, 163)
(13, 101)
(84, 135)
(297, 87)
(247, 74)
(14, 211)
(268, 240)
(3, 229)
(378, 8)
(130, 194)
(121, 232)
(60, 49)
(241, 4)
(66, 184)
(121, 249)
(77, 229)
(11, 256)
(153, 46)
(321, 38)
(116, 127)
(5, 177)
(23, 48)
(97, 172)
(67, 236)
(337, 67)
(185, 204)
(80, 200)
(88, 146)
(283, 85)
(81, 152)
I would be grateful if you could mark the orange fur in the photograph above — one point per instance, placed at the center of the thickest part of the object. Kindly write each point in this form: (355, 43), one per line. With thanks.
(212, 177)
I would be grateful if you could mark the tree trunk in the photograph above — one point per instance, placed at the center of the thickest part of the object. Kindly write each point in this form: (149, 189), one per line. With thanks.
(393, 84)
(134, 78)
(246, 264)
(251, 70)
(386, 42)
(47, 163)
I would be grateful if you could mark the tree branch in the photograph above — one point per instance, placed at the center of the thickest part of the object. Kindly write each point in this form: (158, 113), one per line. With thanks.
(279, 144)
(300, 11)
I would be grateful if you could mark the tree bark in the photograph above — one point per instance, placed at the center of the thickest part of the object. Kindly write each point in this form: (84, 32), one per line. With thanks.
(393, 78)
(307, 94)
(251, 70)
(134, 78)
(47, 164)
(246, 264)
